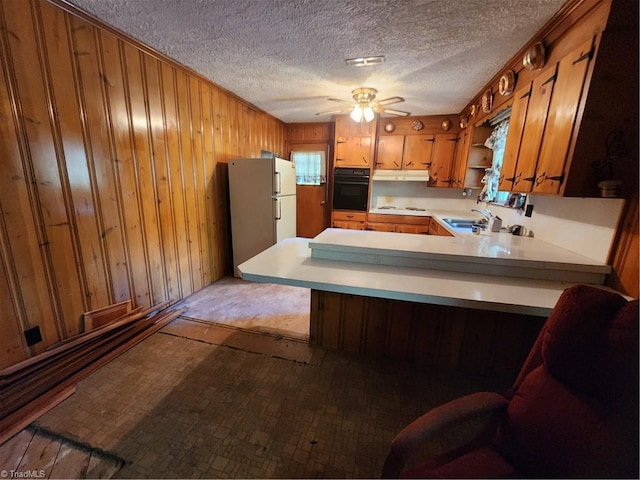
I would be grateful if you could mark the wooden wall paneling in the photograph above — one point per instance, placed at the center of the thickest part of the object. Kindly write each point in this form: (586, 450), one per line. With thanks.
(186, 144)
(624, 252)
(400, 330)
(376, 329)
(55, 29)
(209, 233)
(126, 168)
(48, 207)
(476, 343)
(199, 180)
(100, 159)
(13, 348)
(427, 339)
(511, 343)
(160, 149)
(144, 172)
(222, 254)
(176, 186)
(114, 164)
(19, 241)
(315, 320)
(329, 319)
(353, 328)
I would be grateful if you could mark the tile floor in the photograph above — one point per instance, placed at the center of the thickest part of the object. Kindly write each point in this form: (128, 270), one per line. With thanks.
(175, 407)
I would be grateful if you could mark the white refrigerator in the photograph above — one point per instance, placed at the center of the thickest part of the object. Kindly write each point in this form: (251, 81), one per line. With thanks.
(262, 198)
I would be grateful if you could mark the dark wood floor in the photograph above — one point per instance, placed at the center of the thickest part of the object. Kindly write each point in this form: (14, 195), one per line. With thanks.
(207, 405)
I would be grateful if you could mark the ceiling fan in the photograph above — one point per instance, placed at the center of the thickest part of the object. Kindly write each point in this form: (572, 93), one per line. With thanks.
(365, 107)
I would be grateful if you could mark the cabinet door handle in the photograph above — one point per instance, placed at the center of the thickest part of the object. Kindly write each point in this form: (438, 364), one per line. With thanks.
(559, 178)
(428, 139)
(529, 179)
(409, 164)
(584, 56)
(552, 78)
(396, 163)
(540, 178)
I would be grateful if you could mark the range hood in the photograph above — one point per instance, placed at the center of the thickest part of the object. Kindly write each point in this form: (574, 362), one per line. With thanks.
(401, 175)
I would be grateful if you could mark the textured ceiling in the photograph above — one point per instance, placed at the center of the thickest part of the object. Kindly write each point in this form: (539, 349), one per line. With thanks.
(287, 56)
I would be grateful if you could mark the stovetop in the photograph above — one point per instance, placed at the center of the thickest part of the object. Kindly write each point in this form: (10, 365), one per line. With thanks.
(392, 207)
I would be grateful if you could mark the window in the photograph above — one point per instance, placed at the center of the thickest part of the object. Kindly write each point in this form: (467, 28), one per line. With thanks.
(496, 142)
(311, 167)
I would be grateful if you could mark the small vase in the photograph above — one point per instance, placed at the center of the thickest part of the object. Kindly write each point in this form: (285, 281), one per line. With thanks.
(610, 188)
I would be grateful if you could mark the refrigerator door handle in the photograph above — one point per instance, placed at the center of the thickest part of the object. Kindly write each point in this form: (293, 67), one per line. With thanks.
(278, 183)
(278, 209)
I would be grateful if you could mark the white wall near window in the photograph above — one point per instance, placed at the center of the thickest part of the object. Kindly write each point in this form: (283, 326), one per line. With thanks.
(311, 167)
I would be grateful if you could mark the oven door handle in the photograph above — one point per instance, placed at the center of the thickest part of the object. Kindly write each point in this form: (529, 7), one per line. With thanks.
(351, 183)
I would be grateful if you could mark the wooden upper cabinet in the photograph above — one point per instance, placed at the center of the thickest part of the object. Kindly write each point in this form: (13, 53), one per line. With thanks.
(353, 151)
(534, 125)
(459, 169)
(354, 142)
(514, 138)
(405, 152)
(444, 149)
(418, 152)
(563, 110)
(390, 148)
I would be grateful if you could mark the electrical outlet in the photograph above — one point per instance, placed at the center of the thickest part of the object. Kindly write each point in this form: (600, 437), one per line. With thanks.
(528, 210)
(33, 336)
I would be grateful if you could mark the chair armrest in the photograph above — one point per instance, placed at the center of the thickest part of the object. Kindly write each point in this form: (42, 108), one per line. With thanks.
(437, 419)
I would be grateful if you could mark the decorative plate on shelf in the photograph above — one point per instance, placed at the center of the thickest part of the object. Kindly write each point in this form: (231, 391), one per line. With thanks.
(464, 122)
(446, 125)
(487, 101)
(507, 83)
(474, 110)
(389, 127)
(534, 57)
(417, 125)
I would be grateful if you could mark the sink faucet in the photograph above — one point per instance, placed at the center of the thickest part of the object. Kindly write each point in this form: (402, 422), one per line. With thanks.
(485, 213)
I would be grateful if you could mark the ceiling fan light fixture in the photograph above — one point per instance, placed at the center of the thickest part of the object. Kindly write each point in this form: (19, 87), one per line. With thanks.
(356, 113)
(365, 61)
(368, 113)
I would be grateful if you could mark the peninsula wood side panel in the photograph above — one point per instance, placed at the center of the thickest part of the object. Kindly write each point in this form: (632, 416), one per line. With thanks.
(114, 172)
(431, 336)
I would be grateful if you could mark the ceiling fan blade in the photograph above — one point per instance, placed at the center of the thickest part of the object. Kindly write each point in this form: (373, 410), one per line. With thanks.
(332, 112)
(399, 113)
(338, 100)
(390, 100)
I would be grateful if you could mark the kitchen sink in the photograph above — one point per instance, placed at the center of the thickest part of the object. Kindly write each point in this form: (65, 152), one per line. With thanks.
(463, 223)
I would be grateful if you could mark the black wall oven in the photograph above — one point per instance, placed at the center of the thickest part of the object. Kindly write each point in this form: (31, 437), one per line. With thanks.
(350, 188)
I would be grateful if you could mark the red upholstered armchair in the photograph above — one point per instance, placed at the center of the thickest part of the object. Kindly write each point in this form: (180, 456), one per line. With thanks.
(572, 412)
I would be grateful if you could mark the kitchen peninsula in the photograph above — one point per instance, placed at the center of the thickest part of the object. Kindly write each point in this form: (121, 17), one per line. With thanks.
(453, 320)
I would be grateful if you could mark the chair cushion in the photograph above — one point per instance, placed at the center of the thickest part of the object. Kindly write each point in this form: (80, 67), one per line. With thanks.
(575, 335)
(483, 462)
(576, 415)
(552, 432)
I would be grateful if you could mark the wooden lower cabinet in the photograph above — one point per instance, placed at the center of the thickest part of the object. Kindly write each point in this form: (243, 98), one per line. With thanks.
(348, 219)
(433, 336)
(398, 223)
(436, 229)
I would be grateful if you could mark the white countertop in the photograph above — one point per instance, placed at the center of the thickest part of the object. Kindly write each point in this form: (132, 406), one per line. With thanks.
(496, 248)
(289, 263)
